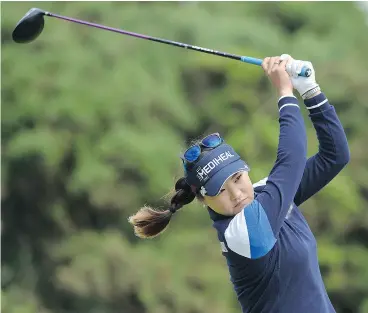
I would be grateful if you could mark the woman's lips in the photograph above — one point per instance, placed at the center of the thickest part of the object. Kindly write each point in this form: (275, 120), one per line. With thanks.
(240, 204)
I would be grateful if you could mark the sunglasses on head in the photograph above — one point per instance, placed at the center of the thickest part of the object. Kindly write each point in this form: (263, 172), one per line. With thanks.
(211, 141)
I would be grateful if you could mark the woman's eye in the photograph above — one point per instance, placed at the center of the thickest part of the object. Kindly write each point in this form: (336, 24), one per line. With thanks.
(236, 180)
(222, 190)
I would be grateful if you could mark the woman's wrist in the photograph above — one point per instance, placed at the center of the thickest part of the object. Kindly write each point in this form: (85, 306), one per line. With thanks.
(313, 95)
(285, 93)
(311, 92)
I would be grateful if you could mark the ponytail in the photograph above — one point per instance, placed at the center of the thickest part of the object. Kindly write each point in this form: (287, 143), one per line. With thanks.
(149, 222)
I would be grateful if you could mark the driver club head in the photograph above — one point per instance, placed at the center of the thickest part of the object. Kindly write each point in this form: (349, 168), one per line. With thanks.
(30, 26)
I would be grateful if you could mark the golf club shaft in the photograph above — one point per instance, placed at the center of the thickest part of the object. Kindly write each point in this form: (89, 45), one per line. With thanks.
(305, 71)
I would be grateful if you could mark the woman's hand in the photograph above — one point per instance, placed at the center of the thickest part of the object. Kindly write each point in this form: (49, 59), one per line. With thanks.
(306, 86)
(275, 69)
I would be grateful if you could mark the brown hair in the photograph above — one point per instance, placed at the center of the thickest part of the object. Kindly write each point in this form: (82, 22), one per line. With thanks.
(149, 222)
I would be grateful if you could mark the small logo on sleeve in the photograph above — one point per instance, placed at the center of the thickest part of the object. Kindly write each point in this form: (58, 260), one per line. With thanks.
(289, 211)
(223, 247)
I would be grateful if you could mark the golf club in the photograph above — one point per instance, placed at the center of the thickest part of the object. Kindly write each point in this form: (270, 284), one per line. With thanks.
(32, 24)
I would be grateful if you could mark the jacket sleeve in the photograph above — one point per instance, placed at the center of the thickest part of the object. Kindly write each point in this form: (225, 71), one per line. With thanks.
(333, 153)
(253, 231)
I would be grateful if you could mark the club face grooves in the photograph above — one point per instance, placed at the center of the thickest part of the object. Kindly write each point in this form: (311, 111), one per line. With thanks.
(29, 27)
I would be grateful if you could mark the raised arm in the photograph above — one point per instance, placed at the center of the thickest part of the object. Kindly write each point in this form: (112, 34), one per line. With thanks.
(252, 232)
(284, 179)
(286, 174)
(333, 151)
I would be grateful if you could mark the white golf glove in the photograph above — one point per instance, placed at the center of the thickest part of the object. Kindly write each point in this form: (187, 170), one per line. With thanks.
(300, 83)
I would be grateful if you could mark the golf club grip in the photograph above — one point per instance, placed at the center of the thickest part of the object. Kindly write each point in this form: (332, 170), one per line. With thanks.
(305, 72)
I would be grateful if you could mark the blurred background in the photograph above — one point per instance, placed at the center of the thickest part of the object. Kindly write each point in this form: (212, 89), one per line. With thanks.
(92, 126)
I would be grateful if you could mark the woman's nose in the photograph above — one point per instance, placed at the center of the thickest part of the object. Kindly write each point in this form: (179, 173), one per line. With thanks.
(235, 194)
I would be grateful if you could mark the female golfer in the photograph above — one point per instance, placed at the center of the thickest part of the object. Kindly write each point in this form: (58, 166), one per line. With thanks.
(270, 250)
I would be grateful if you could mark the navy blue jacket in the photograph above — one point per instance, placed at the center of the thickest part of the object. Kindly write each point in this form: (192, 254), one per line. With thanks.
(270, 250)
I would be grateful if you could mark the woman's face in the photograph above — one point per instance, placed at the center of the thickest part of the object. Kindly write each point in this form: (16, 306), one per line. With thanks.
(236, 193)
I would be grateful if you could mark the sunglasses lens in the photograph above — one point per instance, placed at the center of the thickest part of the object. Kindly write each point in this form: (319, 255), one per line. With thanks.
(192, 153)
(212, 141)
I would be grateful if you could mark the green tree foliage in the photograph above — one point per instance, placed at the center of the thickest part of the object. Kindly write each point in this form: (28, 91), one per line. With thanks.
(92, 125)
